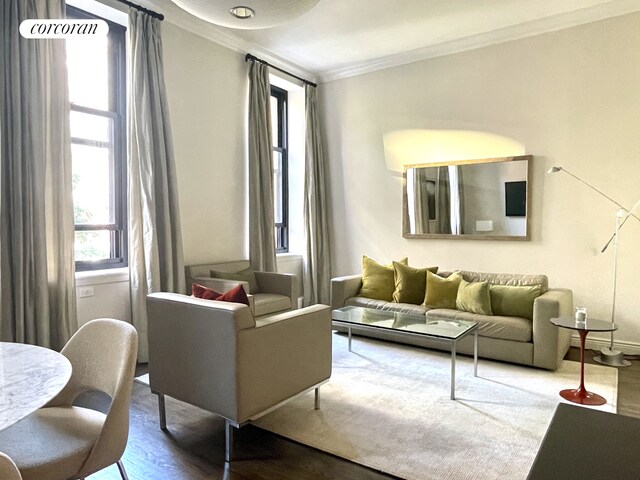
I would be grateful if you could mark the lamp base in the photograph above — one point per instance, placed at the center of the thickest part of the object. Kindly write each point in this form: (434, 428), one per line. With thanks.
(611, 357)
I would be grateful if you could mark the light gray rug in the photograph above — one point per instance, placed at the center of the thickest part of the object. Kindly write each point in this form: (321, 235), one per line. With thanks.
(387, 407)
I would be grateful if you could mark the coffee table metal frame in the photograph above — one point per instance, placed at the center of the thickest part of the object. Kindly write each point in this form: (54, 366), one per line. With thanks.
(452, 341)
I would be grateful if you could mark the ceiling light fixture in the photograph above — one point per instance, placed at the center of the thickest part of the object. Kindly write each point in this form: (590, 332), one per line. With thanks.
(251, 14)
(242, 12)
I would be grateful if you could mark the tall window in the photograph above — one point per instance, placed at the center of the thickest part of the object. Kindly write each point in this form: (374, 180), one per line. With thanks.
(96, 70)
(280, 167)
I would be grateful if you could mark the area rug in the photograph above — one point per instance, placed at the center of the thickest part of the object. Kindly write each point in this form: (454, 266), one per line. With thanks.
(387, 407)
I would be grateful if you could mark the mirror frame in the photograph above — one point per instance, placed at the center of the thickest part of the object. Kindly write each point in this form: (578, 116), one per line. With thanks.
(449, 236)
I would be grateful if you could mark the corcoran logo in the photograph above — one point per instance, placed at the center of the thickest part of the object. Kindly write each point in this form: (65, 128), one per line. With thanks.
(63, 28)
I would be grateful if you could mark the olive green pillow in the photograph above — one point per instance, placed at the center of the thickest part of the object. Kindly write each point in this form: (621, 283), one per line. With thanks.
(474, 297)
(245, 275)
(514, 301)
(377, 279)
(410, 283)
(442, 292)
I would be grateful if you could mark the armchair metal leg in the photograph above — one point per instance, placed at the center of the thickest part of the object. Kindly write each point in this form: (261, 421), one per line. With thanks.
(123, 472)
(162, 412)
(229, 431)
(317, 399)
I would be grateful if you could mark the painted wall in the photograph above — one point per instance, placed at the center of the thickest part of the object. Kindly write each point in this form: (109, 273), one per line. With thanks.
(570, 97)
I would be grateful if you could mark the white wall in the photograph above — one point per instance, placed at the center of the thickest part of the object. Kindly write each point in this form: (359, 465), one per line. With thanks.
(572, 97)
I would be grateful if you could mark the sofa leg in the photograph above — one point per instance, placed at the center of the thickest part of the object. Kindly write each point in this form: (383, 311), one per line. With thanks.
(229, 431)
(317, 399)
(162, 412)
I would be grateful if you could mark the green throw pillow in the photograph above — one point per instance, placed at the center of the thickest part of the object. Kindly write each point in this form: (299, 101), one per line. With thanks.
(474, 297)
(245, 275)
(514, 301)
(442, 292)
(377, 279)
(410, 283)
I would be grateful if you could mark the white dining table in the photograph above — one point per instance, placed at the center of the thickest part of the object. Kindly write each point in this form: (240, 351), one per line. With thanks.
(30, 376)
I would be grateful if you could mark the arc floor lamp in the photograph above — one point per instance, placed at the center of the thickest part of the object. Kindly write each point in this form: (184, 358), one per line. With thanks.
(610, 355)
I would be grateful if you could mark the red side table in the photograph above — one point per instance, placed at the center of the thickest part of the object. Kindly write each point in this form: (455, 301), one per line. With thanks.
(580, 394)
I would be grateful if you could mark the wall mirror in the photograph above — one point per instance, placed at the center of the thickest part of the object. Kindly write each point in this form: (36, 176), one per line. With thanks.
(486, 199)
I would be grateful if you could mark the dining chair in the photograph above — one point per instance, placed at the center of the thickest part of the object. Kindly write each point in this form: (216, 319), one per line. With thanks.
(61, 441)
(8, 469)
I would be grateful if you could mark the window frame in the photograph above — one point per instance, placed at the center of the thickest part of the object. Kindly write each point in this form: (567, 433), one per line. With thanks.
(117, 113)
(282, 228)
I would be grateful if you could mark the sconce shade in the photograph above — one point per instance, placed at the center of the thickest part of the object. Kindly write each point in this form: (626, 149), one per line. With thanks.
(268, 13)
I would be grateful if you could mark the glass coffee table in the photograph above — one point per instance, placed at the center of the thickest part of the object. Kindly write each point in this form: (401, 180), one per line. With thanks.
(440, 329)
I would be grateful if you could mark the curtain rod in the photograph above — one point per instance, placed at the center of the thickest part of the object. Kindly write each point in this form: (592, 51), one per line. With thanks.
(256, 59)
(157, 15)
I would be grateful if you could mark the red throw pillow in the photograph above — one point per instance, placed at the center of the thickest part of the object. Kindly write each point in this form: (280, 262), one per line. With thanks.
(236, 295)
(203, 292)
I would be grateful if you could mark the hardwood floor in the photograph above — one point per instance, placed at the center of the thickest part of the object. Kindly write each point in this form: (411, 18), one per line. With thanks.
(193, 449)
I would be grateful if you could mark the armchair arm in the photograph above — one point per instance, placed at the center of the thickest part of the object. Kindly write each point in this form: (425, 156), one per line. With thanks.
(279, 283)
(550, 343)
(283, 357)
(343, 288)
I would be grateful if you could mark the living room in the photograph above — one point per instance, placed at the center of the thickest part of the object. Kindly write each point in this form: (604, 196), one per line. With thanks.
(561, 88)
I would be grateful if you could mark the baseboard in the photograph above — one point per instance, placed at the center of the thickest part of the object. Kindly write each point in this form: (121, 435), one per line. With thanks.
(628, 348)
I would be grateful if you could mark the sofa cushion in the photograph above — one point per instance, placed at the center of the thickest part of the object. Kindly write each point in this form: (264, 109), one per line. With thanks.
(382, 305)
(514, 301)
(442, 292)
(200, 291)
(268, 303)
(505, 328)
(474, 297)
(377, 279)
(245, 275)
(410, 283)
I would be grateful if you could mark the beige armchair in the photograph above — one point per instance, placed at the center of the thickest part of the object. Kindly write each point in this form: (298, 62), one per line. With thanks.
(8, 469)
(273, 292)
(216, 356)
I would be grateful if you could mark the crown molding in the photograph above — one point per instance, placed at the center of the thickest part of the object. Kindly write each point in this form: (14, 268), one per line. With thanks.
(222, 36)
(613, 8)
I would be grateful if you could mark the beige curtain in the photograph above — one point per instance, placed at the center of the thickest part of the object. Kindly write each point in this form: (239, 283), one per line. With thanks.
(36, 208)
(317, 274)
(155, 240)
(262, 241)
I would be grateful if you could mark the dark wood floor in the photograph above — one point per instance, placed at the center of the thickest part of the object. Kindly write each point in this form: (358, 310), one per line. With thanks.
(194, 447)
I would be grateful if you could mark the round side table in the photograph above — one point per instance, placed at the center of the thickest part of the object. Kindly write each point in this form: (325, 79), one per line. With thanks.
(580, 394)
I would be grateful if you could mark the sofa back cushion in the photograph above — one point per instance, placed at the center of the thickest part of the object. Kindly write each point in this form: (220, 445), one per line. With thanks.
(245, 275)
(511, 279)
(377, 279)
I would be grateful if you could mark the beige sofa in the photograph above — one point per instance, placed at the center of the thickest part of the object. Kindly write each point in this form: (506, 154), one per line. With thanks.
(216, 356)
(513, 339)
(276, 292)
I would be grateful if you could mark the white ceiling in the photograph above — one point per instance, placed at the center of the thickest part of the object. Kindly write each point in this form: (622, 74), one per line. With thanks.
(339, 38)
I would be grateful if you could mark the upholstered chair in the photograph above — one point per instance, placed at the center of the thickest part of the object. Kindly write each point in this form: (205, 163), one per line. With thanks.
(217, 356)
(61, 441)
(8, 469)
(269, 292)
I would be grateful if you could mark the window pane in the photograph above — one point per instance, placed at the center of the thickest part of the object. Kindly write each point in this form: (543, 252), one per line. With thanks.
(88, 69)
(90, 127)
(278, 200)
(93, 245)
(274, 122)
(91, 185)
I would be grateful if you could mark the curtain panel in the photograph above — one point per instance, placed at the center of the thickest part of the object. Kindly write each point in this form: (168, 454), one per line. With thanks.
(262, 241)
(317, 268)
(37, 280)
(155, 240)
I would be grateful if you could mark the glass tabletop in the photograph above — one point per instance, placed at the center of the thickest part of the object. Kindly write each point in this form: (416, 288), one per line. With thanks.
(404, 322)
(590, 324)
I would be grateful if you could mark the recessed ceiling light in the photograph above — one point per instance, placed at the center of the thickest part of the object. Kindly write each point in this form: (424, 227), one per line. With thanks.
(242, 12)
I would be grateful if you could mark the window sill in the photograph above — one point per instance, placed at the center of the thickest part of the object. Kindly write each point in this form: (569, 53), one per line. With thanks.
(98, 277)
(288, 256)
